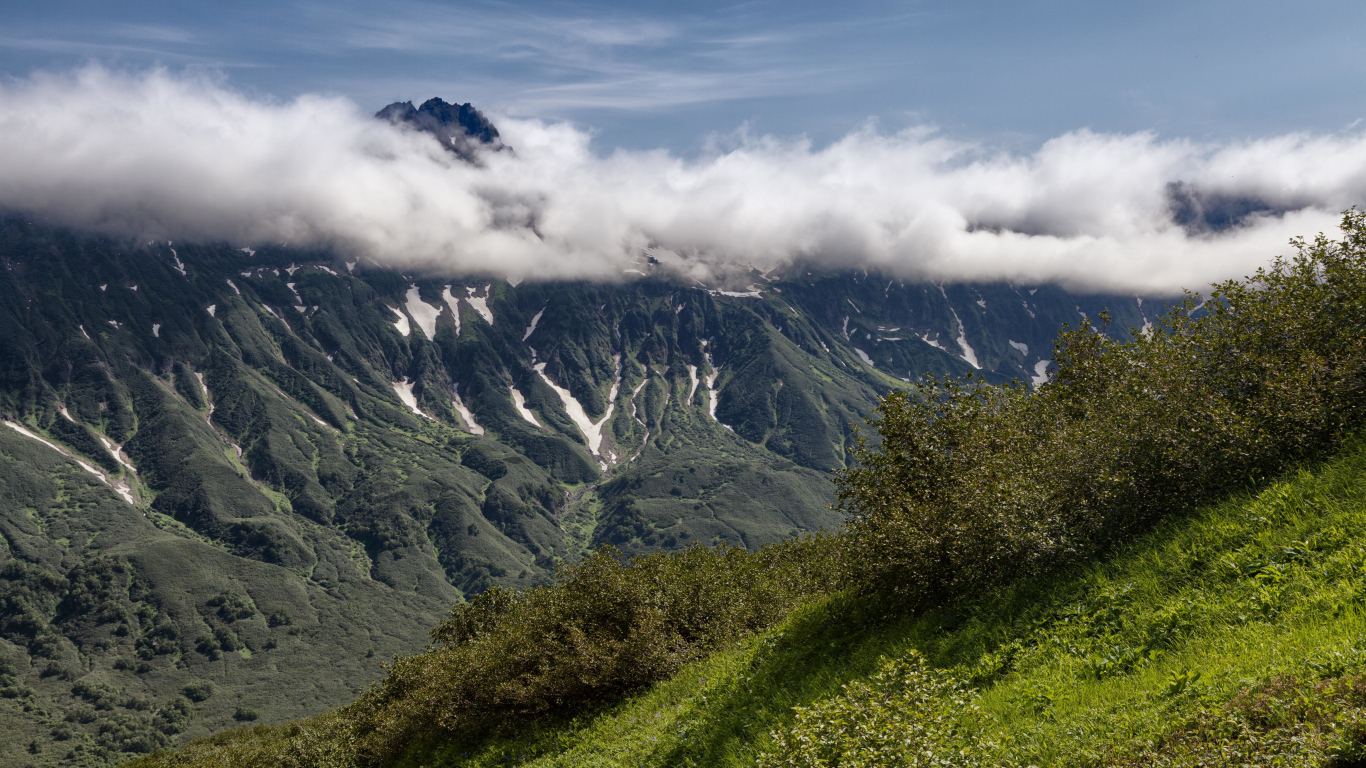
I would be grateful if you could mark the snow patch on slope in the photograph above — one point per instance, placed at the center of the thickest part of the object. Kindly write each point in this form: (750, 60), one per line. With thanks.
(114, 450)
(968, 354)
(481, 303)
(423, 314)
(1040, 373)
(636, 415)
(465, 414)
(592, 431)
(520, 402)
(712, 391)
(401, 323)
(405, 393)
(530, 329)
(1022, 347)
(453, 302)
(752, 293)
(122, 489)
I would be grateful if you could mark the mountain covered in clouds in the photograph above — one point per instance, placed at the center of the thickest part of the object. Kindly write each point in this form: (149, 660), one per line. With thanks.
(232, 472)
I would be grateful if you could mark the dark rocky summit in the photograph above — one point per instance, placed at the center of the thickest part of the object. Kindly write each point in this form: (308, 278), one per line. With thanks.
(460, 128)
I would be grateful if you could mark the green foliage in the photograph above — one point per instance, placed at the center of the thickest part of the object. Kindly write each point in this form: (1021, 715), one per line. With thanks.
(83, 440)
(480, 460)
(231, 606)
(200, 691)
(906, 714)
(606, 628)
(1182, 594)
(972, 486)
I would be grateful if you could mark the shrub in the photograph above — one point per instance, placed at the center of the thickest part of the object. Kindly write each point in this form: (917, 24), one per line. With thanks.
(198, 691)
(907, 714)
(232, 606)
(606, 628)
(971, 486)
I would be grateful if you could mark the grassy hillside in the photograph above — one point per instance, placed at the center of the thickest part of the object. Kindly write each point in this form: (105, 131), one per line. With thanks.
(1235, 634)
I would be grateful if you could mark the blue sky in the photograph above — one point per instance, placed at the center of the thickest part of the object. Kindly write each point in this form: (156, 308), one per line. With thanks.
(656, 74)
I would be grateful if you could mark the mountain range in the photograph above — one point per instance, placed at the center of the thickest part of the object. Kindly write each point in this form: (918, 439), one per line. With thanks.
(238, 477)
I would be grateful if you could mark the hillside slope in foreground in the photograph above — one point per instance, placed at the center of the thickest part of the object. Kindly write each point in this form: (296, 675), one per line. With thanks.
(1232, 636)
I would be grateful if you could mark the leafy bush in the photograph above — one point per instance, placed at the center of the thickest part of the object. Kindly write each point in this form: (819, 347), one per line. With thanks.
(605, 628)
(232, 606)
(200, 691)
(173, 717)
(907, 714)
(972, 486)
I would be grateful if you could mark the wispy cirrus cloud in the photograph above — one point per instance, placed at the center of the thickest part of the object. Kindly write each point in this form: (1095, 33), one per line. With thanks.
(559, 62)
(534, 60)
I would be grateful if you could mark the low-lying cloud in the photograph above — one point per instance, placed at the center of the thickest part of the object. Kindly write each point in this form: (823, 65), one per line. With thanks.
(184, 157)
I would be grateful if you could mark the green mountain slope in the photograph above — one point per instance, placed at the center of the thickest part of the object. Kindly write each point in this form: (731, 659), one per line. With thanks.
(113, 615)
(1233, 635)
(301, 462)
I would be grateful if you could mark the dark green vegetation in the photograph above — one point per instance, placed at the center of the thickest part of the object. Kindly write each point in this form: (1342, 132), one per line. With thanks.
(1233, 636)
(263, 520)
(1060, 552)
(122, 632)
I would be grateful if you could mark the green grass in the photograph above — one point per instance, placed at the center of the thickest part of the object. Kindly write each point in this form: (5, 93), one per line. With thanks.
(1091, 665)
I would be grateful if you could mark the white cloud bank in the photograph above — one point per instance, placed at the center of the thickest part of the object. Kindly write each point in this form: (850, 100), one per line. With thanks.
(170, 156)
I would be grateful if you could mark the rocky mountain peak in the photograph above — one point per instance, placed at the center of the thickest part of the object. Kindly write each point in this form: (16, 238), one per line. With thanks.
(460, 128)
